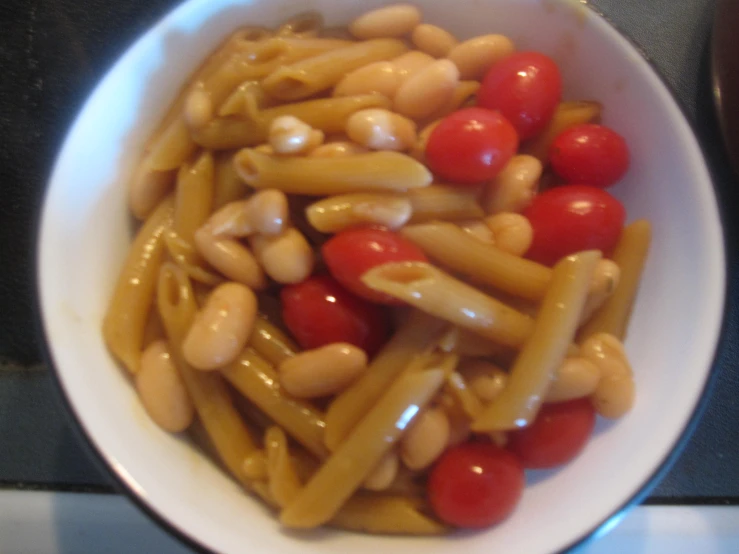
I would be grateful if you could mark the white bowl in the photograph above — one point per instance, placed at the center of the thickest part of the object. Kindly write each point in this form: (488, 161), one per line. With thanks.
(85, 231)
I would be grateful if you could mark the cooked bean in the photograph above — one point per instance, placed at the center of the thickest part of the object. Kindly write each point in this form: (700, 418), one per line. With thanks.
(337, 149)
(384, 474)
(484, 378)
(380, 129)
(388, 22)
(378, 77)
(475, 56)
(289, 135)
(323, 371)
(576, 377)
(512, 232)
(433, 40)
(428, 90)
(514, 187)
(287, 258)
(616, 392)
(427, 438)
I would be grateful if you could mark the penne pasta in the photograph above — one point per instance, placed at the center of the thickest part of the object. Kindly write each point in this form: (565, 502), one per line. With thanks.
(125, 321)
(336, 213)
(343, 473)
(308, 77)
(172, 148)
(437, 293)
(193, 196)
(270, 342)
(414, 338)
(147, 189)
(257, 380)
(386, 515)
(568, 114)
(630, 255)
(467, 400)
(228, 186)
(554, 328)
(246, 101)
(222, 422)
(373, 171)
(184, 255)
(484, 263)
(442, 202)
(284, 484)
(325, 114)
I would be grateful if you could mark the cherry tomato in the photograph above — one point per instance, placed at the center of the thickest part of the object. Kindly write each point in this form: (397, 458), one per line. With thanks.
(558, 434)
(591, 154)
(526, 87)
(351, 253)
(475, 485)
(571, 218)
(320, 311)
(471, 146)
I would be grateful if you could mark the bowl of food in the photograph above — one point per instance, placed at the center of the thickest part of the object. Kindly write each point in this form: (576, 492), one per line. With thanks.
(377, 276)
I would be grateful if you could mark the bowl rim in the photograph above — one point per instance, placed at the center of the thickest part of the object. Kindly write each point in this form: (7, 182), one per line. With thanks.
(121, 480)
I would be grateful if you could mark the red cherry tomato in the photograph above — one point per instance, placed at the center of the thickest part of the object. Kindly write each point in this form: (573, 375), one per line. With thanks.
(526, 87)
(558, 434)
(475, 485)
(471, 146)
(571, 218)
(351, 253)
(591, 154)
(319, 311)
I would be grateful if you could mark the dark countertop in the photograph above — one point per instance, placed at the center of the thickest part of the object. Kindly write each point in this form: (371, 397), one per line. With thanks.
(54, 51)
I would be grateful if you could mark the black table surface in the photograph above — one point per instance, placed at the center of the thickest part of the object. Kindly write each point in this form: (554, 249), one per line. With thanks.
(54, 51)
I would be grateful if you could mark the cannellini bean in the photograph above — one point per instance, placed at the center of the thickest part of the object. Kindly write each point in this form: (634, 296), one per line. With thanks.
(384, 474)
(198, 109)
(475, 56)
(410, 63)
(335, 213)
(391, 21)
(433, 40)
(162, 390)
(337, 149)
(427, 438)
(289, 135)
(512, 232)
(265, 149)
(428, 90)
(616, 392)
(268, 211)
(287, 258)
(380, 129)
(232, 220)
(221, 329)
(379, 77)
(605, 280)
(323, 371)
(484, 378)
(478, 229)
(230, 257)
(514, 187)
(576, 377)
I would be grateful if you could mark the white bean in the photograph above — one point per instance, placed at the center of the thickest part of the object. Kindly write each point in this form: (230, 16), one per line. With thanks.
(478, 229)
(427, 438)
(428, 90)
(410, 63)
(162, 390)
(513, 189)
(512, 232)
(230, 257)
(616, 392)
(391, 21)
(147, 189)
(322, 372)
(221, 329)
(575, 378)
(198, 108)
(290, 135)
(287, 258)
(381, 129)
(378, 77)
(337, 149)
(475, 56)
(484, 378)
(605, 280)
(384, 474)
(433, 40)
(268, 212)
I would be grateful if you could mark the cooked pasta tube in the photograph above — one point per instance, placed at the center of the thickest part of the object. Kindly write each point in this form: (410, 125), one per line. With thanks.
(172, 148)
(373, 171)
(554, 329)
(222, 422)
(343, 473)
(228, 186)
(437, 293)
(568, 114)
(308, 77)
(284, 485)
(125, 321)
(453, 248)
(468, 400)
(383, 514)
(184, 255)
(193, 196)
(441, 202)
(271, 342)
(325, 114)
(336, 213)
(147, 188)
(630, 255)
(256, 379)
(413, 338)
(245, 101)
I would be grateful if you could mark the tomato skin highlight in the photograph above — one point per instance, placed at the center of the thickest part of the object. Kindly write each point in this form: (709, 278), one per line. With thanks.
(475, 485)
(471, 146)
(526, 87)
(351, 253)
(558, 435)
(319, 311)
(571, 218)
(590, 153)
